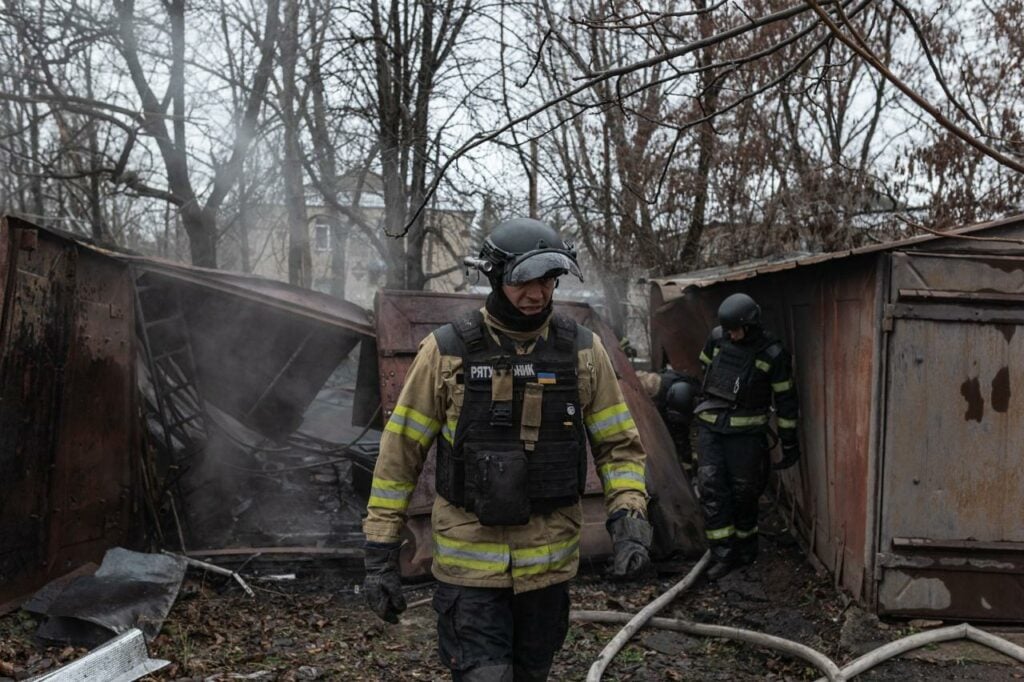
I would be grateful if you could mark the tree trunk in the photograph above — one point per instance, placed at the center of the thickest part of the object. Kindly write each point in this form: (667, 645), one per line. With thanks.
(688, 255)
(299, 257)
(339, 247)
(325, 155)
(201, 227)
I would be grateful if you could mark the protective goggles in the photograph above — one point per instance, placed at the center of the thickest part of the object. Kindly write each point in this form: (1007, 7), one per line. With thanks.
(539, 264)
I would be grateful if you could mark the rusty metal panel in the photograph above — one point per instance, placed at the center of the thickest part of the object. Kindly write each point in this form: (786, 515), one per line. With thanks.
(679, 328)
(269, 293)
(404, 318)
(952, 442)
(68, 417)
(98, 433)
(944, 276)
(826, 317)
(278, 359)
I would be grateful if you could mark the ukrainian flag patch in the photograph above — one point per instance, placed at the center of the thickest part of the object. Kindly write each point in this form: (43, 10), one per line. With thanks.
(546, 378)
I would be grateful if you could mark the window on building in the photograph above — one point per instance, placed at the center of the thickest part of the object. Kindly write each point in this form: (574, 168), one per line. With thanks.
(322, 233)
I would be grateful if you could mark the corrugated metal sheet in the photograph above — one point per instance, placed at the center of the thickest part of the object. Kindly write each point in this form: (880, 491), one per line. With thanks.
(68, 416)
(404, 318)
(986, 236)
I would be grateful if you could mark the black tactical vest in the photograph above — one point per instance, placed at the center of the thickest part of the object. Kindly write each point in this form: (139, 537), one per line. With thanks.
(732, 378)
(520, 444)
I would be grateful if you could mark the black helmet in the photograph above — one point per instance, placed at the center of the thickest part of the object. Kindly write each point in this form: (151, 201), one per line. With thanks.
(739, 310)
(523, 249)
(681, 397)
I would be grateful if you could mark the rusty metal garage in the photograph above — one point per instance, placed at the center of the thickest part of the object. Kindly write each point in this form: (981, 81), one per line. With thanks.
(911, 490)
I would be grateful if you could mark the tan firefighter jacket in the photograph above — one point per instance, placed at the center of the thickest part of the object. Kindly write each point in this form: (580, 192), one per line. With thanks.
(542, 552)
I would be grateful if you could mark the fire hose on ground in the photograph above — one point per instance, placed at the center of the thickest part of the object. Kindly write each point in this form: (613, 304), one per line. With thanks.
(832, 672)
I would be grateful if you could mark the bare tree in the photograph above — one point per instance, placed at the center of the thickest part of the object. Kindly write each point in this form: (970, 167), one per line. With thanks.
(199, 217)
(159, 110)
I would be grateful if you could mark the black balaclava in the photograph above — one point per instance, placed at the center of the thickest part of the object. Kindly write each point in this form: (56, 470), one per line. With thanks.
(752, 333)
(507, 315)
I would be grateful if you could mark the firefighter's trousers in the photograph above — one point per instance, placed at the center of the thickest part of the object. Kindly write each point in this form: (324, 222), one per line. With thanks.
(732, 472)
(488, 634)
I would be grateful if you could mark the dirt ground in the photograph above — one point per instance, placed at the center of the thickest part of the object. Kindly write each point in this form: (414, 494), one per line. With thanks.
(316, 628)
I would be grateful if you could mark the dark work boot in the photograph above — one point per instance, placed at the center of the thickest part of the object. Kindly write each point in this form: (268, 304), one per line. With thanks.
(719, 568)
(487, 673)
(723, 559)
(746, 550)
(523, 674)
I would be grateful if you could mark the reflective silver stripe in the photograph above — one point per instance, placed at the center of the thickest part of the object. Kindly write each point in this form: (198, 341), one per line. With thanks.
(389, 494)
(746, 533)
(481, 556)
(552, 557)
(408, 422)
(610, 421)
(624, 476)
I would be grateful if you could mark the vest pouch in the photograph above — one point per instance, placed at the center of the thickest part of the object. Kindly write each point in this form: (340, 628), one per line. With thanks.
(729, 372)
(450, 474)
(556, 468)
(496, 483)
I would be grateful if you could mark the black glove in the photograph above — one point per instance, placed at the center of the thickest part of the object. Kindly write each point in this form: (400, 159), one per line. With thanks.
(631, 539)
(790, 456)
(383, 585)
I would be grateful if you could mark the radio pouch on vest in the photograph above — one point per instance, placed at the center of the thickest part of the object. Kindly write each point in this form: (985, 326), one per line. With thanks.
(501, 393)
(529, 429)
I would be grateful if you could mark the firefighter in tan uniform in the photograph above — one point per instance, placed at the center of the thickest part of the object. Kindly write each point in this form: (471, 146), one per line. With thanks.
(511, 394)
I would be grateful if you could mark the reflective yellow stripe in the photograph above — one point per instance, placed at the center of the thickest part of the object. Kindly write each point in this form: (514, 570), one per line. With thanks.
(479, 556)
(717, 350)
(709, 417)
(719, 533)
(448, 431)
(390, 494)
(755, 420)
(414, 425)
(704, 358)
(609, 421)
(781, 386)
(746, 533)
(787, 423)
(762, 365)
(622, 476)
(534, 560)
